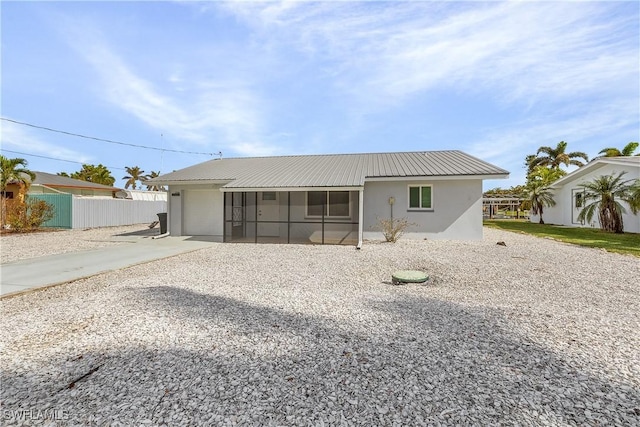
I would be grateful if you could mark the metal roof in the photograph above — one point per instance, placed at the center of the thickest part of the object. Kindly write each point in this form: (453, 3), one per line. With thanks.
(57, 181)
(331, 170)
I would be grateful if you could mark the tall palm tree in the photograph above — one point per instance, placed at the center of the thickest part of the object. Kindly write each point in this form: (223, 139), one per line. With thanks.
(600, 195)
(154, 187)
(12, 170)
(135, 175)
(554, 157)
(627, 151)
(540, 196)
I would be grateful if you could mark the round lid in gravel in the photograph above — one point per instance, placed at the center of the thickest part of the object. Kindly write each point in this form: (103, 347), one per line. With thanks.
(409, 276)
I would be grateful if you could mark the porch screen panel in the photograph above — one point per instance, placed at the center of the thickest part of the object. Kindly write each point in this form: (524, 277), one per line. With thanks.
(315, 203)
(339, 203)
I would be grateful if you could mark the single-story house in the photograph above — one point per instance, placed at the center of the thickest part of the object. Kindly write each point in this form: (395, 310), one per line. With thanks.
(569, 196)
(329, 198)
(47, 183)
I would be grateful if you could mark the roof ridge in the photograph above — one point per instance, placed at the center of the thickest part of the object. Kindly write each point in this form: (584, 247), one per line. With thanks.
(340, 154)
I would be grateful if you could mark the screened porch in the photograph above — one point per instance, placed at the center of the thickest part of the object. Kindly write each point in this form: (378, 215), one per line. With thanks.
(304, 217)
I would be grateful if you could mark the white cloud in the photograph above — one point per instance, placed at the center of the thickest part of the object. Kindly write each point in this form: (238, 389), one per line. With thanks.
(221, 114)
(16, 137)
(517, 51)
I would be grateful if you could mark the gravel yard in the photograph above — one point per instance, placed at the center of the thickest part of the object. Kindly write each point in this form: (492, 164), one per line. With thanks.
(534, 333)
(17, 246)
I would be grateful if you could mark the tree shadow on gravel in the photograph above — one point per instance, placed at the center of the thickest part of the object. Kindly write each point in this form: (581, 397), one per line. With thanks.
(433, 362)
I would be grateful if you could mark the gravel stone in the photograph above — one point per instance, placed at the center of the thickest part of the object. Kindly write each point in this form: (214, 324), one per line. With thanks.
(536, 332)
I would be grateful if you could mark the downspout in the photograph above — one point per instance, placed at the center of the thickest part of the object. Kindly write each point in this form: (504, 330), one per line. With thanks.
(360, 216)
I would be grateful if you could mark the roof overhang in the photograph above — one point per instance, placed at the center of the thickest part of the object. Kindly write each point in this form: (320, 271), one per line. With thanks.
(283, 189)
(626, 162)
(187, 182)
(435, 178)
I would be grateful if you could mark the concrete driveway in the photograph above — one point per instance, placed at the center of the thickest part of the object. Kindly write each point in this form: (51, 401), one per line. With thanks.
(29, 274)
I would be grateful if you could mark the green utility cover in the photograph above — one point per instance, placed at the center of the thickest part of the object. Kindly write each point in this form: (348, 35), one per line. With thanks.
(409, 276)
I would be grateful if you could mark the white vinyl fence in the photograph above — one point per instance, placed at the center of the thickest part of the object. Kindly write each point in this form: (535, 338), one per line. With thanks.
(89, 213)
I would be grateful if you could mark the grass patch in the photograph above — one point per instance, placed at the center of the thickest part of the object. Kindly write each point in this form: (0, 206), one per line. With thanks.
(627, 243)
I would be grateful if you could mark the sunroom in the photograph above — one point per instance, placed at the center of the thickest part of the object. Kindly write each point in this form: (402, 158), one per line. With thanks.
(327, 215)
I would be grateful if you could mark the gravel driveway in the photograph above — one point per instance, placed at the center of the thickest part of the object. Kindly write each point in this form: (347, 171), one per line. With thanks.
(534, 333)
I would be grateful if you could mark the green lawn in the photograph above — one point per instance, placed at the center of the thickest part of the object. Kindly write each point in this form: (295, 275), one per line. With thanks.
(627, 243)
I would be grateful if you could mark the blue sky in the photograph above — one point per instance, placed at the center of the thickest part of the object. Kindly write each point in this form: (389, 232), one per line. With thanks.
(496, 80)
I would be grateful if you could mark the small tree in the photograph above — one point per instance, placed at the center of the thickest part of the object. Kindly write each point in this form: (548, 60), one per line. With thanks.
(540, 196)
(393, 228)
(602, 193)
(29, 215)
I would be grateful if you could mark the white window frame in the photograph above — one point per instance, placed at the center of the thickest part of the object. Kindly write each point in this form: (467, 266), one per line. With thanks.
(420, 186)
(306, 204)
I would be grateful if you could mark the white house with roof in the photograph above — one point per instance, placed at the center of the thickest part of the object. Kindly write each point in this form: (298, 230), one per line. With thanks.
(569, 196)
(329, 198)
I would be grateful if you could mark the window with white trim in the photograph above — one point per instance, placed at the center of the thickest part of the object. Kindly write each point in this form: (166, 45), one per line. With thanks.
(420, 197)
(334, 204)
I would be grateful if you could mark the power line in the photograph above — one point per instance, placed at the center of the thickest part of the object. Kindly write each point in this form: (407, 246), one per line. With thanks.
(53, 158)
(104, 140)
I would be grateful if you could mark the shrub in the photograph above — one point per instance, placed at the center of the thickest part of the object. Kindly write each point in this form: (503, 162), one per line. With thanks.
(393, 228)
(28, 215)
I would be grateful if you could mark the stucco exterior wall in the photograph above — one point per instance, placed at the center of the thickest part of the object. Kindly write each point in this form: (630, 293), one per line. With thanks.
(456, 212)
(195, 210)
(565, 212)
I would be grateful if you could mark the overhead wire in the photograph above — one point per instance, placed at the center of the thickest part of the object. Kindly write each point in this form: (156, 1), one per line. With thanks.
(53, 158)
(103, 139)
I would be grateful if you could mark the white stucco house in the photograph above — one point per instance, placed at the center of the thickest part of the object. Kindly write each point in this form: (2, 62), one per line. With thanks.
(568, 194)
(329, 198)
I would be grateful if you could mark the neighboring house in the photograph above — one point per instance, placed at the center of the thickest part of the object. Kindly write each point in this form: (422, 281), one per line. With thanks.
(569, 198)
(329, 198)
(82, 204)
(46, 183)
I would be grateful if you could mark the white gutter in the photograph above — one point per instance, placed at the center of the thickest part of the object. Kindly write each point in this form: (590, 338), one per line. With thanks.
(160, 236)
(360, 216)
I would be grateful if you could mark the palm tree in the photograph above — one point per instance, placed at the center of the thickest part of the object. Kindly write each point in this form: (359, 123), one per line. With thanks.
(154, 187)
(554, 157)
(12, 170)
(627, 151)
(135, 175)
(602, 193)
(540, 196)
(101, 175)
(544, 176)
(91, 173)
(634, 197)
